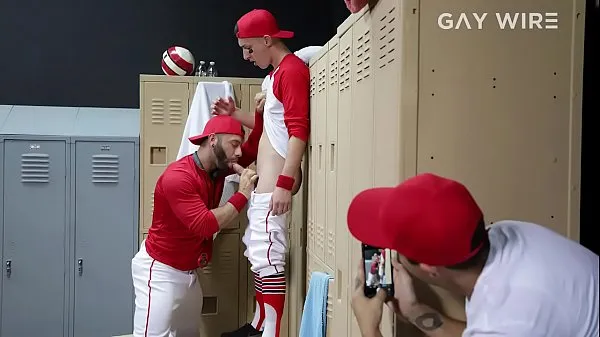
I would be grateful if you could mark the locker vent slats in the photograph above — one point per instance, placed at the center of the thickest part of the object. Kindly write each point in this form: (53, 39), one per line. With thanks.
(385, 38)
(35, 168)
(158, 111)
(322, 80)
(175, 111)
(344, 68)
(333, 72)
(363, 55)
(105, 169)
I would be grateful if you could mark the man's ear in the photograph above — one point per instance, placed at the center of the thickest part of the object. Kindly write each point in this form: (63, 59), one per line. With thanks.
(431, 270)
(268, 40)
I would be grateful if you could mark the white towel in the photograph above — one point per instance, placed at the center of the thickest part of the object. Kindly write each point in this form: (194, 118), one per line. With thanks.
(206, 93)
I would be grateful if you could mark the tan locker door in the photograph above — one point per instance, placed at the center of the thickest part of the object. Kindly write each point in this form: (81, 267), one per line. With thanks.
(331, 82)
(506, 130)
(344, 190)
(320, 117)
(165, 110)
(362, 121)
(220, 286)
(312, 151)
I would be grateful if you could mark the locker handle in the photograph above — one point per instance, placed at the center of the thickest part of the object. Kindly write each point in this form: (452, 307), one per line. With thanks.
(332, 158)
(8, 268)
(80, 266)
(320, 156)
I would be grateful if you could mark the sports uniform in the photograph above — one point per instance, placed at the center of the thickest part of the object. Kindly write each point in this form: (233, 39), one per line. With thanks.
(286, 115)
(168, 296)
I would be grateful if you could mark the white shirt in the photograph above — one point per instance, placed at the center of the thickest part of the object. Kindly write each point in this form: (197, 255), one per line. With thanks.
(536, 283)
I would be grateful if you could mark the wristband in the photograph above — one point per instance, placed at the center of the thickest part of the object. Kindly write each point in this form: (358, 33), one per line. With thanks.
(238, 200)
(285, 182)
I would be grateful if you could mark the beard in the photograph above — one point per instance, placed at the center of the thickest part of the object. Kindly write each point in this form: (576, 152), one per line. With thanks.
(222, 161)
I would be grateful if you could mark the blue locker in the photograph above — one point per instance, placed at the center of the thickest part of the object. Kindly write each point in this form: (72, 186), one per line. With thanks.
(105, 213)
(68, 214)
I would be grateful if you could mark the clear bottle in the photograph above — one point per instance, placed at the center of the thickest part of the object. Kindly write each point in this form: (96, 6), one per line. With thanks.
(201, 69)
(212, 70)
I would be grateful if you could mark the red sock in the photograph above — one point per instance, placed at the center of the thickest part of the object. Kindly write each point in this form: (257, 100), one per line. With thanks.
(259, 312)
(274, 287)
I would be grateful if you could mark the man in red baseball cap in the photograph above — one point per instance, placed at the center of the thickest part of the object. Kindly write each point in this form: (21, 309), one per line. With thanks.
(186, 215)
(282, 145)
(518, 278)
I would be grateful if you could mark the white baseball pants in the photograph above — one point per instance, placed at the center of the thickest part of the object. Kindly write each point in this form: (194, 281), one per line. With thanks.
(168, 301)
(266, 237)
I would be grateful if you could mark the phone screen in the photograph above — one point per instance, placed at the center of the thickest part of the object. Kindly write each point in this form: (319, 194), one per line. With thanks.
(378, 270)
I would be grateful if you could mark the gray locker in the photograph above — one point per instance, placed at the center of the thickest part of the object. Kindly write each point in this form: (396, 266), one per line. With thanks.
(105, 213)
(68, 212)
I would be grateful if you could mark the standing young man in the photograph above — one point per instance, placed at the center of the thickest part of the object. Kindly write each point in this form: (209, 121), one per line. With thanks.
(281, 147)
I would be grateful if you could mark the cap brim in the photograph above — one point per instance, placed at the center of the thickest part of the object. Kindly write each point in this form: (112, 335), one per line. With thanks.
(196, 140)
(363, 217)
(284, 34)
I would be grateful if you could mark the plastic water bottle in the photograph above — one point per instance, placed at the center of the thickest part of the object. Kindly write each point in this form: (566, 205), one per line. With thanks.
(201, 69)
(212, 70)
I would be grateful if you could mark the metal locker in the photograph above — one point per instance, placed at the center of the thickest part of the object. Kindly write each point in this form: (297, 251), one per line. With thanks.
(105, 228)
(34, 247)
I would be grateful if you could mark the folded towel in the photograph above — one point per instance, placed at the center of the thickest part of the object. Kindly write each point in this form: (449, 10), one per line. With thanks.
(314, 317)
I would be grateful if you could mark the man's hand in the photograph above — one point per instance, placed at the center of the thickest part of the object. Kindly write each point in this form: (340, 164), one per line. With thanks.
(259, 100)
(247, 179)
(281, 201)
(368, 311)
(223, 107)
(405, 298)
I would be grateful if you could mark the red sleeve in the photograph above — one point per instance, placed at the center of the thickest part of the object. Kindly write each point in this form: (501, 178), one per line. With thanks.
(292, 87)
(185, 201)
(250, 146)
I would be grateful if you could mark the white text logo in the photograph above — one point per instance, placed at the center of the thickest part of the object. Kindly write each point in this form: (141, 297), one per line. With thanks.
(512, 21)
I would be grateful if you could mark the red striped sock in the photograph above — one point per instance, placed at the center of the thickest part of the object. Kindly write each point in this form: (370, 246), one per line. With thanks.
(273, 290)
(259, 312)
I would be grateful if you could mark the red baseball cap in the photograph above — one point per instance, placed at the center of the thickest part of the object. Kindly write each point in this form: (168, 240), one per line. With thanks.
(426, 218)
(219, 124)
(258, 23)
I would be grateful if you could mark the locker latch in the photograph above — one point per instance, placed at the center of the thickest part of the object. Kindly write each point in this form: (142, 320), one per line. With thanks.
(8, 268)
(80, 266)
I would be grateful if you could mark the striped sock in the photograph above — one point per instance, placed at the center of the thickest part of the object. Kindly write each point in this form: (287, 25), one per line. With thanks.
(259, 312)
(274, 287)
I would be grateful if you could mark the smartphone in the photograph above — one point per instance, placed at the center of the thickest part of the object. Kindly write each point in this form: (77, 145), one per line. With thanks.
(378, 270)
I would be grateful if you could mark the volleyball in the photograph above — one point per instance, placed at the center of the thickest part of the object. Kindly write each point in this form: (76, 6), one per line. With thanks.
(177, 61)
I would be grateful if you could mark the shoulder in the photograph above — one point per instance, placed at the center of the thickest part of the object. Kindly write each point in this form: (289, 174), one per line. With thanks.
(178, 174)
(292, 68)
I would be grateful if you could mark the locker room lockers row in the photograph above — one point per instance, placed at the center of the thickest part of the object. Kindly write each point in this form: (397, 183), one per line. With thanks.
(227, 283)
(68, 214)
(393, 94)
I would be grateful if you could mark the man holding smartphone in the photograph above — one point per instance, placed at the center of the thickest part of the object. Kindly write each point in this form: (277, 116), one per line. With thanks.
(519, 279)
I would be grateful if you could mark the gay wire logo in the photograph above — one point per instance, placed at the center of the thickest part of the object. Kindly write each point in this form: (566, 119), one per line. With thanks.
(504, 21)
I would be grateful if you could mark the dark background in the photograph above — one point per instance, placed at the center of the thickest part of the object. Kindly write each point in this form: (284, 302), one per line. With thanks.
(90, 53)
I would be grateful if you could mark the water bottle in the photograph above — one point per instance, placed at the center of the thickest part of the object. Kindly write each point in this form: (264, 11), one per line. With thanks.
(212, 70)
(201, 69)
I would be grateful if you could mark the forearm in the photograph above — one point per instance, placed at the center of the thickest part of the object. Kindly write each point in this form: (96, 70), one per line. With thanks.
(295, 151)
(230, 210)
(225, 215)
(247, 119)
(433, 323)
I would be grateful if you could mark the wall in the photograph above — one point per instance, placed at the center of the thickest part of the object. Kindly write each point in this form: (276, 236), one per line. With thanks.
(90, 53)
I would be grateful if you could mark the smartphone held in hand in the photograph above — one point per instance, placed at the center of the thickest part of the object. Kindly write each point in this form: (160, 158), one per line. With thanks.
(378, 270)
